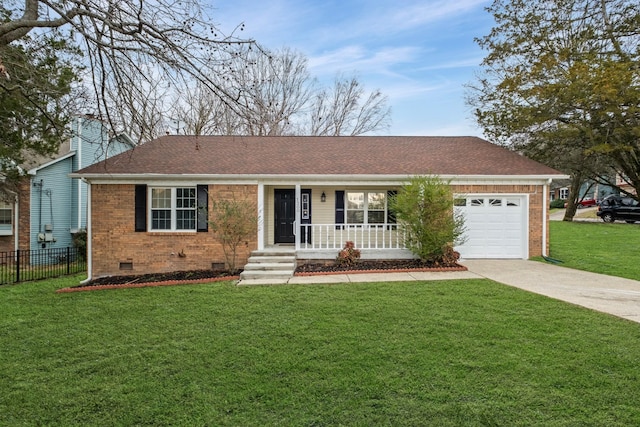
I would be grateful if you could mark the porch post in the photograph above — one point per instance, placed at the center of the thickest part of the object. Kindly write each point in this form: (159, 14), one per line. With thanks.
(296, 224)
(260, 216)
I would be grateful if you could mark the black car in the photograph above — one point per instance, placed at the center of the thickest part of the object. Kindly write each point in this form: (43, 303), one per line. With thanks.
(614, 207)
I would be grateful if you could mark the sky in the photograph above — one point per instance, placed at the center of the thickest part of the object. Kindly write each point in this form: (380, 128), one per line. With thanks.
(419, 53)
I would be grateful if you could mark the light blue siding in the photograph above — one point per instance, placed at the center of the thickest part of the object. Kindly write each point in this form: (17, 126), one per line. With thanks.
(51, 205)
(58, 202)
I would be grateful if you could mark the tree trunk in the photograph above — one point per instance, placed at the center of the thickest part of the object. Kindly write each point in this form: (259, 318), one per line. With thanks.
(574, 194)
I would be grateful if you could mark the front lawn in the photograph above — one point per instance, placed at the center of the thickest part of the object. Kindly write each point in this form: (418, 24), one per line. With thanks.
(444, 353)
(597, 247)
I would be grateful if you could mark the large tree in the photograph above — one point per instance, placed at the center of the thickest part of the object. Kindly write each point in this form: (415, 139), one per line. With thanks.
(36, 88)
(127, 46)
(276, 95)
(561, 82)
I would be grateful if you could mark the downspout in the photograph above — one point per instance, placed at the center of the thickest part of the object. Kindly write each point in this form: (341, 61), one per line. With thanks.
(79, 154)
(545, 216)
(40, 207)
(89, 251)
(16, 225)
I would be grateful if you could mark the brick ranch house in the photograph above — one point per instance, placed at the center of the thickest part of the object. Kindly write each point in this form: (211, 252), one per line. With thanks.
(148, 207)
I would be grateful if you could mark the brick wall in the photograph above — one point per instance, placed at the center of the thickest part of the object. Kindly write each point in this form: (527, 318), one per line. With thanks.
(7, 243)
(115, 242)
(536, 199)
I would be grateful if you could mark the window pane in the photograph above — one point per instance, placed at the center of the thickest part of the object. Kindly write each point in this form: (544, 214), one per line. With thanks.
(377, 201)
(355, 217)
(376, 217)
(355, 200)
(185, 219)
(5, 216)
(185, 208)
(161, 198)
(161, 219)
(186, 198)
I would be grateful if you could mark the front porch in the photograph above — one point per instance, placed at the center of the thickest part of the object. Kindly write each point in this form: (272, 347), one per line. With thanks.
(375, 241)
(317, 220)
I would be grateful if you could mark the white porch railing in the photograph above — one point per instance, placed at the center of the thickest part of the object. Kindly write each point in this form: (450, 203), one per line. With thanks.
(364, 236)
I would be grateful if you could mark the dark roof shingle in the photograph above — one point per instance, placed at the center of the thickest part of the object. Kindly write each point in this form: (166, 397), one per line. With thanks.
(306, 155)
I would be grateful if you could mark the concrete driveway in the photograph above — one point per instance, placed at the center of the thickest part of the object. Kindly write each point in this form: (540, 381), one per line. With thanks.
(614, 295)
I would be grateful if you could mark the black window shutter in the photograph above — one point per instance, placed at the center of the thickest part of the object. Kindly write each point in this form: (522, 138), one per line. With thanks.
(203, 208)
(141, 208)
(391, 215)
(339, 207)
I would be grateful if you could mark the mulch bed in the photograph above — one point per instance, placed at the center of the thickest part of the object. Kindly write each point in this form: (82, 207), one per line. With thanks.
(158, 279)
(373, 266)
(208, 276)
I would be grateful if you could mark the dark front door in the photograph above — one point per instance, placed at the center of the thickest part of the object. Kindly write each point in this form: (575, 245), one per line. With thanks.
(285, 215)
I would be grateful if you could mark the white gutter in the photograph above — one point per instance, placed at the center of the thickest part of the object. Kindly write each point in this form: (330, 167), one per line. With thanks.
(267, 179)
(89, 245)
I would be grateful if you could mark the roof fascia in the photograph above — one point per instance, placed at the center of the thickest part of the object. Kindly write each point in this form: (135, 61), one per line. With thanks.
(315, 179)
(51, 162)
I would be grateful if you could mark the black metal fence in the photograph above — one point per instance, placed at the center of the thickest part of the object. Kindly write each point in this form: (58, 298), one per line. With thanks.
(25, 265)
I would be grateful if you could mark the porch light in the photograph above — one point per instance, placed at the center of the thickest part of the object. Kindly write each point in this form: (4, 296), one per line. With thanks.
(323, 197)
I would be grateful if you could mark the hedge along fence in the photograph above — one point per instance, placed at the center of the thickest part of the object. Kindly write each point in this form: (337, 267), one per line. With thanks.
(26, 265)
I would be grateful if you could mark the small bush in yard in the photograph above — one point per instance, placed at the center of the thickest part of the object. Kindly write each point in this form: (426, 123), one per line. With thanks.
(80, 243)
(424, 206)
(233, 222)
(349, 255)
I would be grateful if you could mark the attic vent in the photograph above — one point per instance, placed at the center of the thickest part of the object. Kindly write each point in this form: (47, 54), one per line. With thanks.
(126, 266)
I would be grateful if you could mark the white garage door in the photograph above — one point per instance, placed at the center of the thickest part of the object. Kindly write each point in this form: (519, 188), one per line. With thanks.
(496, 226)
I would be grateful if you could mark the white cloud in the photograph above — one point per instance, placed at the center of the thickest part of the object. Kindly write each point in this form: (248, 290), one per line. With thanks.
(423, 12)
(357, 57)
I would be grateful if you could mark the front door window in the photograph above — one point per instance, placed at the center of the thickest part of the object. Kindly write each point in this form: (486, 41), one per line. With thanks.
(285, 215)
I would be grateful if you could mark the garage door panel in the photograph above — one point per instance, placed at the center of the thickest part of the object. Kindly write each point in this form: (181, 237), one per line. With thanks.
(495, 226)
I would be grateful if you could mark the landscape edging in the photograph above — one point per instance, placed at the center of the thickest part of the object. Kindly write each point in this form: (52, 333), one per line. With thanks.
(146, 284)
(395, 270)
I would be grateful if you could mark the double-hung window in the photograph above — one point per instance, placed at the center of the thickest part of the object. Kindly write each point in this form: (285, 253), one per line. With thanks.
(5, 218)
(366, 207)
(173, 209)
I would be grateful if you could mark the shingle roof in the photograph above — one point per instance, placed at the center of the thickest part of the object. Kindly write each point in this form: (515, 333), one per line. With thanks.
(307, 155)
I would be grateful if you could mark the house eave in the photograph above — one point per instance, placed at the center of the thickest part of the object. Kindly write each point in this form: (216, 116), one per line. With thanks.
(35, 170)
(270, 179)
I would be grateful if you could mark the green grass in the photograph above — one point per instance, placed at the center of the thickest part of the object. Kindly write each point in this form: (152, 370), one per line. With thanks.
(597, 247)
(419, 353)
(445, 353)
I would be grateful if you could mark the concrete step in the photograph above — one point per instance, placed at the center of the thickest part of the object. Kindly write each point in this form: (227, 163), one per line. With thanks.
(265, 274)
(276, 252)
(272, 259)
(271, 266)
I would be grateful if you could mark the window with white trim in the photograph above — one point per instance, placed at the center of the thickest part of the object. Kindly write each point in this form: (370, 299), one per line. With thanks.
(564, 193)
(6, 215)
(173, 209)
(366, 207)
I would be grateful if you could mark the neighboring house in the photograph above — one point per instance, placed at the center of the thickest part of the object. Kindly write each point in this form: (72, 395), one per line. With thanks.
(148, 208)
(588, 190)
(51, 206)
(621, 182)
